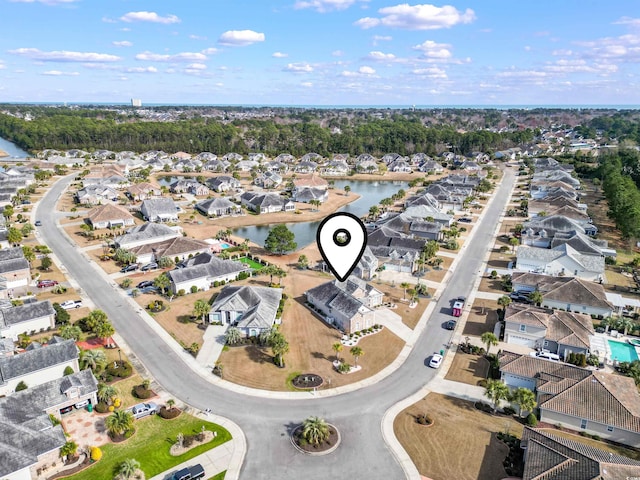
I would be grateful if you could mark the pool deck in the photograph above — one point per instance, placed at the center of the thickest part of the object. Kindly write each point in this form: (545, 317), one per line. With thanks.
(600, 344)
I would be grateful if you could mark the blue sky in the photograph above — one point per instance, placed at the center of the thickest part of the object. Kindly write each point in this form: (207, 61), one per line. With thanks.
(321, 52)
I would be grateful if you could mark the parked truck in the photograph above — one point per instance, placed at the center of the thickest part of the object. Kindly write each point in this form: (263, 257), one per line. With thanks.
(189, 473)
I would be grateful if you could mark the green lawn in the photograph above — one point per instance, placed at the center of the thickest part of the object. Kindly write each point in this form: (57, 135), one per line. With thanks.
(252, 263)
(150, 446)
(219, 476)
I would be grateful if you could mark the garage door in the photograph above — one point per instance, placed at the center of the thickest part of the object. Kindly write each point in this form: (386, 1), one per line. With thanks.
(517, 340)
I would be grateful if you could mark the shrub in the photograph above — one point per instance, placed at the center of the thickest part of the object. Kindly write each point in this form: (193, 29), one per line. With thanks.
(509, 410)
(101, 407)
(243, 275)
(59, 289)
(169, 413)
(216, 283)
(494, 274)
(609, 260)
(21, 386)
(181, 292)
(424, 419)
(140, 392)
(344, 367)
(194, 289)
(120, 370)
(596, 437)
(68, 371)
(532, 421)
(96, 454)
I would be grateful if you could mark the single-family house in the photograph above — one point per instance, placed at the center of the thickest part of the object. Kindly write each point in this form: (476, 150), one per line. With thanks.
(232, 157)
(431, 166)
(369, 165)
(178, 247)
(285, 158)
(552, 457)
(367, 265)
(218, 207)
(246, 165)
(223, 183)
(251, 309)
(306, 166)
(216, 165)
(557, 331)
(310, 181)
(336, 167)
(562, 260)
(29, 438)
(276, 166)
(109, 175)
(38, 364)
(400, 165)
(266, 202)
(15, 271)
(203, 270)
(307, 194)
(348, 305)
(566, 293)
(189, 185)
(146, 233)
(159, 210)
(141, 191)
(26, 318)
(96, 194)
(109, 216)
(397, 251)
(268, 179)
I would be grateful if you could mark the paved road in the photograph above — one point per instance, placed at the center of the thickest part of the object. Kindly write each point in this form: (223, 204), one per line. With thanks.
(266, 422)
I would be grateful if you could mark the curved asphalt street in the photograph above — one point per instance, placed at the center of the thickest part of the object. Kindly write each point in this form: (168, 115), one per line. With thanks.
(266, 422)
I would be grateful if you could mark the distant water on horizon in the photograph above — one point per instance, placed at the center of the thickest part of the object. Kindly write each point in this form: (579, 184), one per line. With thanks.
(355, 107)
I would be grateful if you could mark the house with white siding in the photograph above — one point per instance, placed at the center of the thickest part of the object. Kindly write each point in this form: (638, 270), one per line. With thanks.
(109, 216)
(161, 210)
(203, 270)
(26, 318)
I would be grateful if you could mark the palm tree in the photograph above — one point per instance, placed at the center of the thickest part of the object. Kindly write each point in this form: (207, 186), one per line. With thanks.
(95, 318)
(270, 270)
(201, 309)
(315, 430)
(280, 273)
(106, 392)
(489, 339)
(504, 302)
(536, 297)
(232, 336)
(119, 422)
(404, 286)
(525, 399)
(170, 403)
(71, 331)
(92, 359)
(337, 347)
(514, 242)
(163, 282)
(625, 324)
(374, 211)
(437, 261)
(356, 352)
(127, 468)
(104, 330)
(347, 189)
(496, 390)
(279, 346)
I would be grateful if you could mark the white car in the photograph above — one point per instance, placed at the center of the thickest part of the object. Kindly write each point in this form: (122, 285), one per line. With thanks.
(436, 360)
(69, 304)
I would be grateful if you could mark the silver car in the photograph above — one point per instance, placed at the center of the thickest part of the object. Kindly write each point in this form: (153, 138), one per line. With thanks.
(143, 409)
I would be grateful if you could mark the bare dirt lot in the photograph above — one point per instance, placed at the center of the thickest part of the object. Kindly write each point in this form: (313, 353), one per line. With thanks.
(461, 444)
(482, 317)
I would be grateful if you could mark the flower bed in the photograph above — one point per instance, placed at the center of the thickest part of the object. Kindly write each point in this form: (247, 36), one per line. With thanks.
(353, 338)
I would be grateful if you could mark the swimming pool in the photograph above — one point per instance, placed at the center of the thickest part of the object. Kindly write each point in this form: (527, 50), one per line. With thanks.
(225, 245)
(623, 352)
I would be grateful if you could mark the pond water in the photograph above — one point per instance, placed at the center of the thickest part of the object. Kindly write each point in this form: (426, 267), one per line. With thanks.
(14, 151)
(371, 192)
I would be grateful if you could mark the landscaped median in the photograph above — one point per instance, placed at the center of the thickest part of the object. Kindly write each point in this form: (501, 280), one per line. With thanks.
(150, 446)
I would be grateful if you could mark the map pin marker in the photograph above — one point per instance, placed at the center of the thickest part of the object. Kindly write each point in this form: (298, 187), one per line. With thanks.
(341, 238)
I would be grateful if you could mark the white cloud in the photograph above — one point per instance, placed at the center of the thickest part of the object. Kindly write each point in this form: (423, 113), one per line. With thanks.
(152, 17)
(124, 43)
(210, 51)
(433, 50)
(298, 68)
(581, 66)
(197, 66)
(527, 48)
(378, 56)
(46, 2)
(337, 53)
(58, 73)
(109, 20)
(430, 72)
(307, 84)
(197, 37)
(418, 17)
(141, 70)
(178, 57)
(279, 55)
(240, 38)
(563, 52)
(365, 70)
(381, 38)
(634, 22)
(323, 6)
(362, 72)
(64, 55)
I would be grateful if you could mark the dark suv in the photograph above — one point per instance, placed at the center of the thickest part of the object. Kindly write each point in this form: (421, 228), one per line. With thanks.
(130, 268)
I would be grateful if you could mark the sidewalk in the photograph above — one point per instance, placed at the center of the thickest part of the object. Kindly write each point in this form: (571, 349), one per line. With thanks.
(213, 343)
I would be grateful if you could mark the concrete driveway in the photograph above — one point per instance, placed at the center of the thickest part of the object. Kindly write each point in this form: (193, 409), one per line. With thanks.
(86, 429)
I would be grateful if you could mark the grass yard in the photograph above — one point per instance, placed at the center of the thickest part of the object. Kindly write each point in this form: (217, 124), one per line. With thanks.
(410, 316)
(461, 443)
(252, 263)
(469, 369)
(219, 476)
(150, 446)
(482, 317)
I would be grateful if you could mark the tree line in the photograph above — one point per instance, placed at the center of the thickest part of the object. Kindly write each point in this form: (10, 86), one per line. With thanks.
(76, 129)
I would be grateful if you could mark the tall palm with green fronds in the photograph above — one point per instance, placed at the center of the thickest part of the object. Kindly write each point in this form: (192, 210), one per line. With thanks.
(128, 467)
(201, 309)
(337, 347)
(356, 352)
(315, 430)
(496, 390)
(232, 336)
(489, 339)
(404, 286)
(119, 422)
(106, 392)
(92, 359)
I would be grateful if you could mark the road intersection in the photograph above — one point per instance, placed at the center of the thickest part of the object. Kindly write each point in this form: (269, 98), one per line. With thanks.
(267, 418)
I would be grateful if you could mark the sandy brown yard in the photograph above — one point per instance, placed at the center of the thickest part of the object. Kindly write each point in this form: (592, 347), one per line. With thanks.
(482, 317)
(310, 341)
(491, 285)
(469, 369)
(461, 444)
(410, 316)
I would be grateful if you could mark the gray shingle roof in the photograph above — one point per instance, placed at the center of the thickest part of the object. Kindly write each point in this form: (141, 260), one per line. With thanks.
(38, 359)
(25, 312)
(25, 429)
(259, 304)
(205, 265)
(337, 295)
(146, 231)
(159, 206)
(213, 205)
